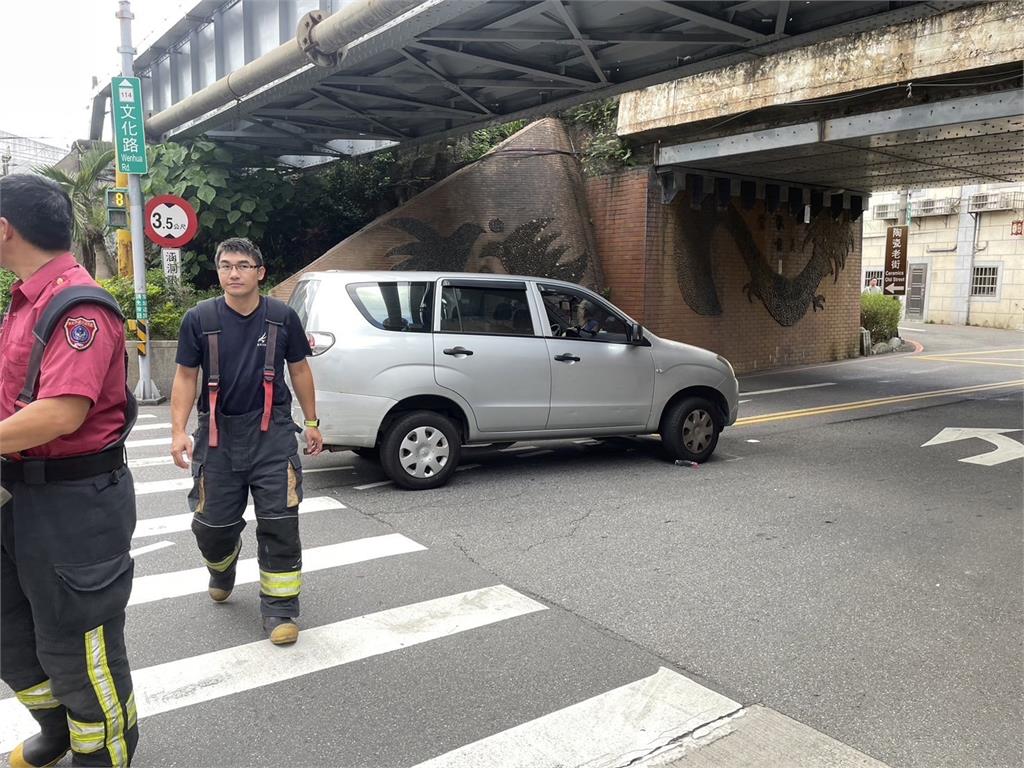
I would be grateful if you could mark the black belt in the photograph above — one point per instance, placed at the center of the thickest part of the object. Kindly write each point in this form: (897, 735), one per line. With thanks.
(39, 471)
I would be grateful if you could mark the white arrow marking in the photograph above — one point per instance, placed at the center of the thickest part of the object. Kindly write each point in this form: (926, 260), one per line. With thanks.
(1007, 449)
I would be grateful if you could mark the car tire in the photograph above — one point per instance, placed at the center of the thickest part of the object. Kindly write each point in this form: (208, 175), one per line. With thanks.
(690, 429)
(421, 450)
(369, 454)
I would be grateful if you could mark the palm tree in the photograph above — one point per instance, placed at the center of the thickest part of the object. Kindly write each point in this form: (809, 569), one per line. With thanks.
(86, 201)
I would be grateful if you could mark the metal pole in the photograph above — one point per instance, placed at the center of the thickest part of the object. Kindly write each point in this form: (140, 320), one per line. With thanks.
(145, 390)
(354, 20)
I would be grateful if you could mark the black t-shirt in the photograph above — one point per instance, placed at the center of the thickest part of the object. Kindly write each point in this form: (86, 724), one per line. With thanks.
(243, 350)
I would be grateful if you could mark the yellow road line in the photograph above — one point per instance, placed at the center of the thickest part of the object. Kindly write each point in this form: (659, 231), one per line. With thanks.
(975, 352)
(958, 358)
(840, 407)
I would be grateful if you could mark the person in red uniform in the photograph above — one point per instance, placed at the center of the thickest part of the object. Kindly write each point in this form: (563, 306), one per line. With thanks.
(68, 510)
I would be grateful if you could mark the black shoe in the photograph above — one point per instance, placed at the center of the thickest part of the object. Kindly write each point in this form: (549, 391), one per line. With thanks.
(43, 749)
(282, 629)
(221, 585)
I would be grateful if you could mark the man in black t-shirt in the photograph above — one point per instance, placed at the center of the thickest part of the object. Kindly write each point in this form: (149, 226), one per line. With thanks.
(246, 437)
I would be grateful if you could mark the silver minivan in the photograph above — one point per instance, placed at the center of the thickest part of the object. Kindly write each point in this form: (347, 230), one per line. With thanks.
(412, 366)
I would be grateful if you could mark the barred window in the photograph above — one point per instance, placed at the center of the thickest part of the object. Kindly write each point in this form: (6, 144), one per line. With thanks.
(984, 281)
(872, 274)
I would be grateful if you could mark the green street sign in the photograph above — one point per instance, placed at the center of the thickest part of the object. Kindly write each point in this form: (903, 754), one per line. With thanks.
(129, 135)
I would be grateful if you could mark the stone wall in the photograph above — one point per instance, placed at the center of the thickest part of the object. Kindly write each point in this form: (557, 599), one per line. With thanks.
(761, 288)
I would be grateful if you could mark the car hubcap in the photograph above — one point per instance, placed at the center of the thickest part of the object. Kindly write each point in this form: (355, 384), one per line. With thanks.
(698, 429)
(424, 452)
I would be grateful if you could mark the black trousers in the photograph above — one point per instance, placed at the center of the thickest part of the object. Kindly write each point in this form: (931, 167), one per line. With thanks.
(267, 465)
(65, 579)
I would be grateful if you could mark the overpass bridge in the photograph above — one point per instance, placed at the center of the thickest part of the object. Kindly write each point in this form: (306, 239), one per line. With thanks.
(301, 77)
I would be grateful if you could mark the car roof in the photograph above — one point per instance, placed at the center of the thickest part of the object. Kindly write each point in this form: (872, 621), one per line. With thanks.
(358, 276)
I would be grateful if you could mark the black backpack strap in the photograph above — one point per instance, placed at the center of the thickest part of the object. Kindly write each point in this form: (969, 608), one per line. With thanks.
(277, 314)
(59, 306)
(47, 323)
(209, 322)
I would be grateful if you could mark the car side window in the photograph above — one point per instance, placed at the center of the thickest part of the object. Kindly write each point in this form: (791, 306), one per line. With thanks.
(395, 306)
(486, 309)
(576, 315)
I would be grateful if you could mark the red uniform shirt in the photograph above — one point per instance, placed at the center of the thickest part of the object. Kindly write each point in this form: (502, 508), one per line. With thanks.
(85, 357)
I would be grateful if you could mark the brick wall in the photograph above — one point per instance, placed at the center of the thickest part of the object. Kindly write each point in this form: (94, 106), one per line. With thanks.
(642, 242)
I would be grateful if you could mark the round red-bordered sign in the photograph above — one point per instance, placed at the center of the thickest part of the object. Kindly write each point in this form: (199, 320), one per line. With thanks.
(170, 221)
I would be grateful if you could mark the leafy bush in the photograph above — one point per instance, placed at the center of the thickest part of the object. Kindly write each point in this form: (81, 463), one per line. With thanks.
(6, 281)
(880, 315)
(594, 125)
(167, 303)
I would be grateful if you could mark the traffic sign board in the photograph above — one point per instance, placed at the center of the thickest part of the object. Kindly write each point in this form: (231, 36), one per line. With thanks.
(129, 133)
(894, 279)
(170, 221)
(171, 258)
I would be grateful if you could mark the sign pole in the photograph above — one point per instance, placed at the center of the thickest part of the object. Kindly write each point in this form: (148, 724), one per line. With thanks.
(146, 390)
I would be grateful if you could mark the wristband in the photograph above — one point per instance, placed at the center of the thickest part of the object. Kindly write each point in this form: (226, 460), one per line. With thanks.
(311, 423)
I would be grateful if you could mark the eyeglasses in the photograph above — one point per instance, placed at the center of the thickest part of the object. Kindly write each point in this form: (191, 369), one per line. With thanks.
(242, 268)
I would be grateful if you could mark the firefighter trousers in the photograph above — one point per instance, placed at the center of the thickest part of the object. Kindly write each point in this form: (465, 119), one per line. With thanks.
(65, 579)
(265, 464)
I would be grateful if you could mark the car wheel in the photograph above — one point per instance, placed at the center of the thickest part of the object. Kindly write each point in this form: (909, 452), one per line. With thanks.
(369, 454)
(421, 450)
(690, 429)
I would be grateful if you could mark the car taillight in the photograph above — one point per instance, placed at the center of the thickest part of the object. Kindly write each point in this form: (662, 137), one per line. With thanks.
(319, 341)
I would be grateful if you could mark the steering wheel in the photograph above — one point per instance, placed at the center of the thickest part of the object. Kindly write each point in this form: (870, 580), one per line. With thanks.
(556, 329)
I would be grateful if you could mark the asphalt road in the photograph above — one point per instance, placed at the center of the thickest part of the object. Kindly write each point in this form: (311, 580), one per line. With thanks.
(826, 564)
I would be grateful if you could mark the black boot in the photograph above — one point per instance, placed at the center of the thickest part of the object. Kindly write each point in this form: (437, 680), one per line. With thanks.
(221, 584)
(49, 745)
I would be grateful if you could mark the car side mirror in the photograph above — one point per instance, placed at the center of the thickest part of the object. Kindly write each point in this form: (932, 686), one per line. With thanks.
(636, 334)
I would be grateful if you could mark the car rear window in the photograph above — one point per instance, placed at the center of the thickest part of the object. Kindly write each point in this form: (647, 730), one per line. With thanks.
(488, 309)
(395, 306)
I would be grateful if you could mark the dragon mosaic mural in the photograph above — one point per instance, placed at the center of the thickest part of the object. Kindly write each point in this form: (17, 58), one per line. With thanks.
(530, 249)
(787, 299)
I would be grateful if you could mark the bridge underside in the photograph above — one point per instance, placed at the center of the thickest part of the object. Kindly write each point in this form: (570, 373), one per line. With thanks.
(942, 142)
(451, 66)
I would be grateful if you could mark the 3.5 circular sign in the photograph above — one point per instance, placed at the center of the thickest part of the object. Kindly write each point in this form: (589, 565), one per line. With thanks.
(170, 221)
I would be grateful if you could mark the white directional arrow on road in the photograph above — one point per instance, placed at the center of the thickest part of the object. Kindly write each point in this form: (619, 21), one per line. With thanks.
(1007, 449)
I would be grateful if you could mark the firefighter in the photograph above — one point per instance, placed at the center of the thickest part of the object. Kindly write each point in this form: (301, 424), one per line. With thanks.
(68, 509)
(246, 440)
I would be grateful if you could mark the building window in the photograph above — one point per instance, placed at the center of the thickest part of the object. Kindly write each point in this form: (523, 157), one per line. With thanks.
(985, 281)
(872, 274)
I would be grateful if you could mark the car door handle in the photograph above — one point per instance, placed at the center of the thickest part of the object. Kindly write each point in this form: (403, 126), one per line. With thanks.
(458, 351)
(567, 358)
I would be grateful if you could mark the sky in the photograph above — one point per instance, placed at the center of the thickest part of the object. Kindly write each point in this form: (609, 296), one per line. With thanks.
(47, 87)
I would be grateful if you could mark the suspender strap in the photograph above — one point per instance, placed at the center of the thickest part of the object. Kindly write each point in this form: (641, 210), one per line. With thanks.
(210, 324)
(59, 306)
(276, 315)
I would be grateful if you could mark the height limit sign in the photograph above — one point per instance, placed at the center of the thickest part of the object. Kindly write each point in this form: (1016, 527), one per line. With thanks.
(894, 280)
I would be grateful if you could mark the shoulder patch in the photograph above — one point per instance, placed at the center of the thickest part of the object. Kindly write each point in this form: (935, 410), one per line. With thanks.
(80, 332)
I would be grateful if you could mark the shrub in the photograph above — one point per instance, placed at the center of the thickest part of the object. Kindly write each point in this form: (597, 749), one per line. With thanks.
(6, 281)
(167, 303)
(880, 315)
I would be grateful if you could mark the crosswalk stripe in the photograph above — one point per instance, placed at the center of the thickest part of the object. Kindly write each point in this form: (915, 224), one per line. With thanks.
(163, 486)
(150, 427)
(151, 548)
(612, 728)
(147, 416)
(147, 443)
(152, 461)
(161, 586)
(186, 682)
(159, 526)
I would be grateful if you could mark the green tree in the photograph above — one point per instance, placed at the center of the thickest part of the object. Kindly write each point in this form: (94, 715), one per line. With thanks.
(87, 202)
